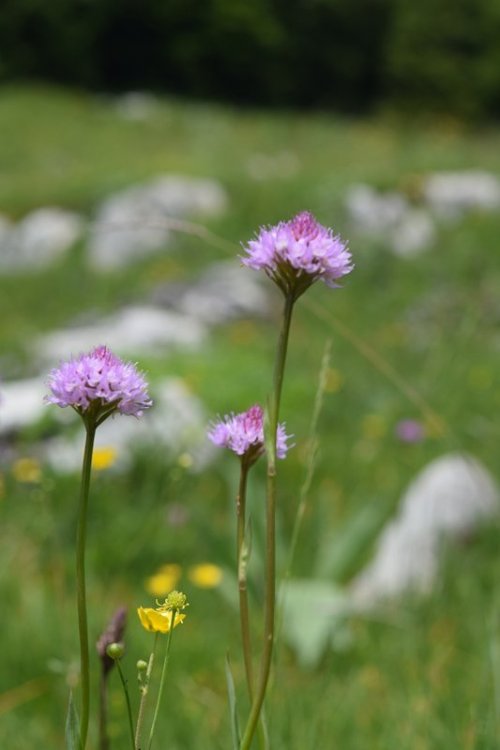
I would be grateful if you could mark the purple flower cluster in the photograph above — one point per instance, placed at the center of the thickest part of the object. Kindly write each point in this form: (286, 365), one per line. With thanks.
(410, 431)
(296, 253)
(244, 434)
(99, 382)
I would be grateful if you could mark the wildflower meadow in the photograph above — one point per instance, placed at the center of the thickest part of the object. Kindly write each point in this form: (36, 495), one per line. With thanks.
(204, 449)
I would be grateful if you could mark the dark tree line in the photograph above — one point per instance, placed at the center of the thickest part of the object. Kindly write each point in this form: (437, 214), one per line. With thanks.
(348, 55)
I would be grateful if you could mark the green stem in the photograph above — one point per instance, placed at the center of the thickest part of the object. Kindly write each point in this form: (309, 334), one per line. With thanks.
(162, 679)
(270, 597)
(144, 691)
(242, 563)
(81, 537)
(127, 698)
(242, 560)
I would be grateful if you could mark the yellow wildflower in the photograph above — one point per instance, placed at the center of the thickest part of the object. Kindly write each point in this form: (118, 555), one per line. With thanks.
(104, 457)
(164, 580)
(159, 619)
(27, 470)
(205, 575)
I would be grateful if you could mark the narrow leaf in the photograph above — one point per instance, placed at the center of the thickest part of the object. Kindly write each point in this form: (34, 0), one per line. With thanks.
(72, 732)
(233, 708)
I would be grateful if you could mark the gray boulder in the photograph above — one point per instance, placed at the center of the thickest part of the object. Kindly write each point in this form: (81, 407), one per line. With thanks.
(450, 498)
(139, 220)
(39, 240)
(132, 330)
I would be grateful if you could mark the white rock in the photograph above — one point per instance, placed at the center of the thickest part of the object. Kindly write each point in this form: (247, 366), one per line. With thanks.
(223, 293)
(370, 211)
(136, 106)
(21, 404)
(413, 234)
(135, 222)
(39, 239)
(451, 497)
(131, 331)
(451, 194)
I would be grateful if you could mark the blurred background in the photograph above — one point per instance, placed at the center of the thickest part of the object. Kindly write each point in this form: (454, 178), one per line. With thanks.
(141, 145)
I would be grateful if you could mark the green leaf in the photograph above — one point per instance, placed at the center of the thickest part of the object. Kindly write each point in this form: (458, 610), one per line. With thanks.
(343, 552)
(72, 732)
(233, 708)
(313, 612)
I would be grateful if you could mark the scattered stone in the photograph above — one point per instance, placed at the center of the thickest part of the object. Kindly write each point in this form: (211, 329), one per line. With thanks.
(37, 241)
(21, 404)
(371, 211)
(414, 233)
(389, 217)
(451, 194)
(132, 331)
(136, 106)
(223, 293)
(134, 223)
(450, 498)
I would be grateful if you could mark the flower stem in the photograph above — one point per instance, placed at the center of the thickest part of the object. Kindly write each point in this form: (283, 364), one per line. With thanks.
(127, 698)
(162, 678)
(242, 563)
(270, 596)
(242, 560)
(144, 691)
(81, 536)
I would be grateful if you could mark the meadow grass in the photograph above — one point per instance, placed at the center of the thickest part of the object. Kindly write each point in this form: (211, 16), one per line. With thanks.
(424, 673)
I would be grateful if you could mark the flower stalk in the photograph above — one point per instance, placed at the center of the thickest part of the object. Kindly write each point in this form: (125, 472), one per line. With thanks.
(144, 694)
(162, 680)
(129, 706)
(242, 552)
(270, 582)
(81, 537)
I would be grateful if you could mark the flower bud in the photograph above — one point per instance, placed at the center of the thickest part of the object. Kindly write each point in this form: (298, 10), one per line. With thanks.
(141, 665)
(115, 651)
(176, 600)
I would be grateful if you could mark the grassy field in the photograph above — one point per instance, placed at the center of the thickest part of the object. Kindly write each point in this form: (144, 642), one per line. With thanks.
(422, 674)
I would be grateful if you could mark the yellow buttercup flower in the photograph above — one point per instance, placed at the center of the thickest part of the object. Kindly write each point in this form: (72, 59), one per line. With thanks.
(104, 457)
(27, 470)
(164, 580)
(158, 620)
(205, 575)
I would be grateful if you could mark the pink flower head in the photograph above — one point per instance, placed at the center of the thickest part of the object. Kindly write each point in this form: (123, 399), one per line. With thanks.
(410, 431)
(244, 434)
(98, 384)
(296, 253)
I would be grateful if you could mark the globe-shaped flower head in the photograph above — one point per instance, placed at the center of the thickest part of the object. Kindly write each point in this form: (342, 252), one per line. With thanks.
(244, 435)
(296, 253)
(98, 384)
